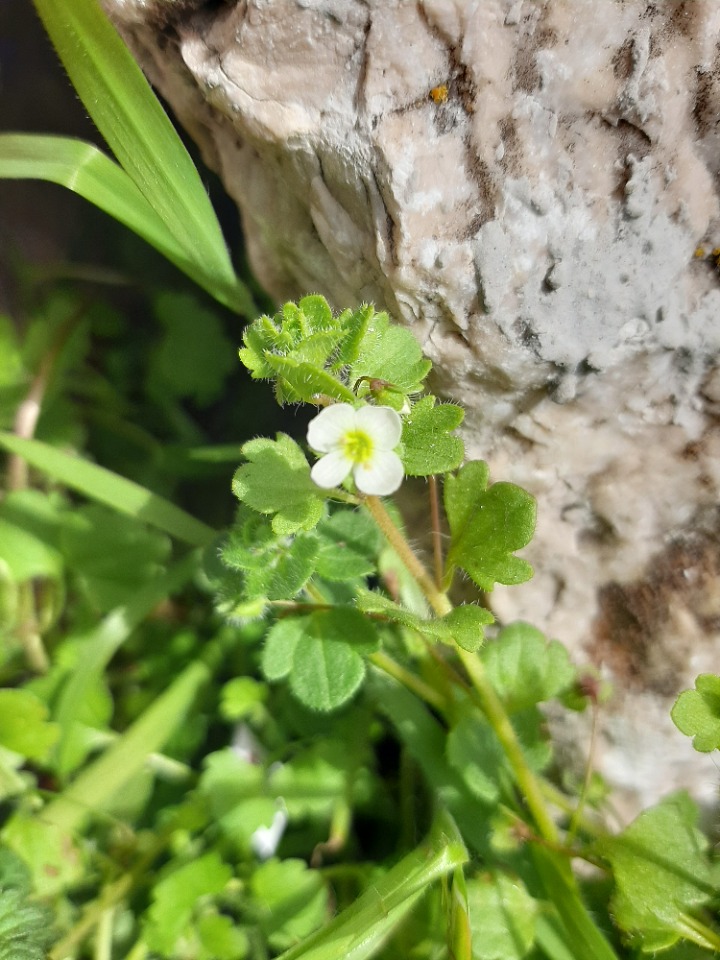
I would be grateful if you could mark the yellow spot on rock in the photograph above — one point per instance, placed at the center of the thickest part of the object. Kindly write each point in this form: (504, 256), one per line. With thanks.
(439, 94)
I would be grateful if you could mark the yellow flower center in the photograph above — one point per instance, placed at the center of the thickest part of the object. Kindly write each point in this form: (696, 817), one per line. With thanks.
(358, 446)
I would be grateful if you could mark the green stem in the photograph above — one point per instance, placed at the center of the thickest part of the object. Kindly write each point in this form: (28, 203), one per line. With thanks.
(505, 732)
(489, 701)
(104, 934)
(436, 532)
(582, 800)
(436, 598)
(408, 679)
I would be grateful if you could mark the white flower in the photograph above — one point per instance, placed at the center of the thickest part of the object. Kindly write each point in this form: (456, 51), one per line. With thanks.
(265, 840)
(360, 442)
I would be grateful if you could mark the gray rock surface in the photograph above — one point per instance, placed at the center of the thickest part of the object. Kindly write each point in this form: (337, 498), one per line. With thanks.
(524, 183)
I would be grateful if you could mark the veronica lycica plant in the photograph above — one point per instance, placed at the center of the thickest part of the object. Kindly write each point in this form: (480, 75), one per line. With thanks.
(300, 551)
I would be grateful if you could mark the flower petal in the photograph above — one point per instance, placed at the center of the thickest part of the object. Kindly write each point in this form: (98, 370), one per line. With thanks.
(383, 424)
(327, 429)
(331, 470)
(382, 476)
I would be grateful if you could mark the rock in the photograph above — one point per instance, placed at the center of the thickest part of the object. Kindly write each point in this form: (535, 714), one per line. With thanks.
(526, 186)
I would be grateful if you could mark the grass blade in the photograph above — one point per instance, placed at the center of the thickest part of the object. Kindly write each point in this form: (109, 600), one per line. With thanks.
(90, 173)
(129, 116)
(101, 644)
(107, 487)
(360, 931)
(105, 777)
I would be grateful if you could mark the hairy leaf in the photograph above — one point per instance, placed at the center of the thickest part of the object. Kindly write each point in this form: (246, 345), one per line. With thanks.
(349, 544)
(463, 625)
(661, 872)
(696, 713)
(321, 654)
(25, 926)
(428, 444)
(299, 380)
(389, 353)
(525, 668)
(269, 567)
(276, 480)
(24, 725)
(487, 525)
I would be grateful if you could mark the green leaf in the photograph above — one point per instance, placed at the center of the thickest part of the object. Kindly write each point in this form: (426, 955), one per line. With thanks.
(349, 544)
(487, 525)
(98, 783)
(269, 566)
(297, 347)
(195, 357)
(277, 480)
(110, 557)
(466, 624)
(354, 324)
(25, 555)
(696, 713)
(24, 726)
(47, 849)
(293, 901)
(242, 697)
(428, 445)
(474, 751)
(299, 380)
(109, 488)
(326, 671)
(391, 353)
(175, 897)
(463, 625)
(661, 872)
(280, 645)
(220, 939)
(25, 926)
(30, 524)
(119, 99)
(321, 655)
(502, 916)
(84, 169)
(525, 668)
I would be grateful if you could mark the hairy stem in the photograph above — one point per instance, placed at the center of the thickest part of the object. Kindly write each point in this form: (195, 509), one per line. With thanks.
(408, 679)
(436, 533)
(505, 732)
(488, 699)
(435, 597)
